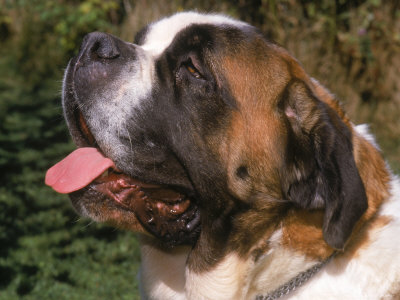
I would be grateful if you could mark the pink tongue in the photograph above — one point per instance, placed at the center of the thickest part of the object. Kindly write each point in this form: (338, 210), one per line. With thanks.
(77, 170)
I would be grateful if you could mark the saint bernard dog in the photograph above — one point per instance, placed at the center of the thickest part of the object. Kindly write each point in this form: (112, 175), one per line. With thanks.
(243, 176)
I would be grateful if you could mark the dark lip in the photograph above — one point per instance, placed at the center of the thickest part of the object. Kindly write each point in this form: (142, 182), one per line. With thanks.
(170, 227)
(84, 129)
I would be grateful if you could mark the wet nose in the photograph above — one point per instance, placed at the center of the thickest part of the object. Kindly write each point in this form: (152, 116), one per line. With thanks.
(100, 46)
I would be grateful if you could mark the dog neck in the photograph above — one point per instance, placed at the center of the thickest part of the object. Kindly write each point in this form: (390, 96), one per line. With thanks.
(162, 271)
(295, 282)
(165, 275)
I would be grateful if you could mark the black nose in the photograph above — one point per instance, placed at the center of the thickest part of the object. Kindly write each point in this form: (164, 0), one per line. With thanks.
(100, 46)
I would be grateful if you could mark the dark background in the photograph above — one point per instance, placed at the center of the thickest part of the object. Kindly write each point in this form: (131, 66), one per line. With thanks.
(46, 250)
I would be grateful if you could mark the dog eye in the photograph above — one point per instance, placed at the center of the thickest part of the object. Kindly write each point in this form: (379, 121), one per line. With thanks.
(192, 70)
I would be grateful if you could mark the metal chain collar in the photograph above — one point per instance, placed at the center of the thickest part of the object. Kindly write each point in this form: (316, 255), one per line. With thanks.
(295, 282)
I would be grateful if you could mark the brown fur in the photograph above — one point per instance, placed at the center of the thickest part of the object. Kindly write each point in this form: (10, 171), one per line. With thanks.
(302, 232)
(256, 139)
(253, 142)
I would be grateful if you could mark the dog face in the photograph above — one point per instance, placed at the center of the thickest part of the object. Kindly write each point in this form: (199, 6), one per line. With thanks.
(224, 128)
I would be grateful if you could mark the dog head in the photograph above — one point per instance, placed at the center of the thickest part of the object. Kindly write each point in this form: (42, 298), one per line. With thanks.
(215, 132)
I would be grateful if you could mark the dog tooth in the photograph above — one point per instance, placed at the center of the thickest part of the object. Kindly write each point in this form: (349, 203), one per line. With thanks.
(148, 206)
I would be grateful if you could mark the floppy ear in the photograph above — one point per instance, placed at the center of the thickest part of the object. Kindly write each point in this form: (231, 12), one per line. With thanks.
(320, 167)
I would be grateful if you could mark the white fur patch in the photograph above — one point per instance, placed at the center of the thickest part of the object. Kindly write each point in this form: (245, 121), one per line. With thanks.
(162, 33)
(274, 270)
(162, 274)
(224, 281)
(363, 130)
(120, 101)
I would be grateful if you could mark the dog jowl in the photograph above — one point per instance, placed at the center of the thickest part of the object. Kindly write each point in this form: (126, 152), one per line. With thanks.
(216, 146)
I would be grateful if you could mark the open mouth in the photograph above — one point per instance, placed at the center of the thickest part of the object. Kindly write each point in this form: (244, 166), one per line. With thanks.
(163, 211)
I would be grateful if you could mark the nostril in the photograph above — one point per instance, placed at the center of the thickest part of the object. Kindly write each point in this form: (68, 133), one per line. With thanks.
(105, 48)
(101, 46)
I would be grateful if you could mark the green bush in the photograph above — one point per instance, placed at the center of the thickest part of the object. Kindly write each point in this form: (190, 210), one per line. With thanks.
(45, 251)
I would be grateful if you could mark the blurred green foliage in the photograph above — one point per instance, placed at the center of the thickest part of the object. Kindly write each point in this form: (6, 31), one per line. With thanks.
(46, 251)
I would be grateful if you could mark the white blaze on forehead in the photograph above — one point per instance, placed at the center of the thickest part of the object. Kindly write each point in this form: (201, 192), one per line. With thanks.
(161, 33)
